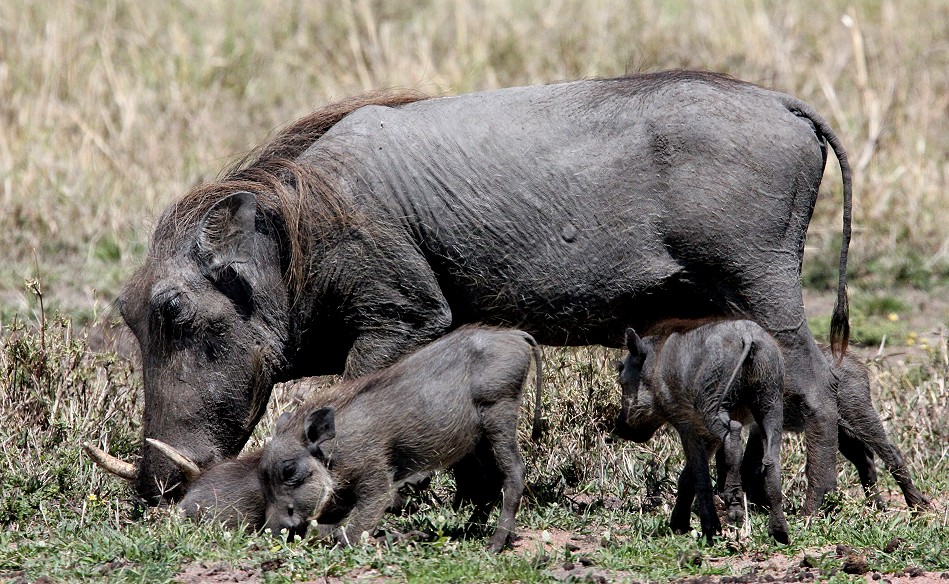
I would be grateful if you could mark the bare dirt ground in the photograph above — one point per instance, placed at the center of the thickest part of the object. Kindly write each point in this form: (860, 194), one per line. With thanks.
(217, 572)
(570, 561)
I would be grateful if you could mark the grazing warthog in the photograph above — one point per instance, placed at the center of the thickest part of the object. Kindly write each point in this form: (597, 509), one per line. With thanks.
(701, 381)
(570, 211)
(452, 404)
(861, 434)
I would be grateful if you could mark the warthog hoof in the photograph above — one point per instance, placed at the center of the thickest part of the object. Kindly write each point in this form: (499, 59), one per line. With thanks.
(778, 529)
(501, 540)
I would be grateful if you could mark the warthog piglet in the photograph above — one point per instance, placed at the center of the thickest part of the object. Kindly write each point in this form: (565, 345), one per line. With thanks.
(701, 381)
(452, 404)
(228, 492)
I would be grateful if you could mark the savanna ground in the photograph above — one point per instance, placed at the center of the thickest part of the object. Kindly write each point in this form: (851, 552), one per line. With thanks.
(108, 110)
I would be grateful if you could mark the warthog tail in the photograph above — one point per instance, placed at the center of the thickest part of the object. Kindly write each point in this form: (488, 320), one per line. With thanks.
(536, 426)
(840, 321)
(746, 346)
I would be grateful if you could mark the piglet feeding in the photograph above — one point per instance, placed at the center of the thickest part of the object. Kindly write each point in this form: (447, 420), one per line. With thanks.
(454, 404)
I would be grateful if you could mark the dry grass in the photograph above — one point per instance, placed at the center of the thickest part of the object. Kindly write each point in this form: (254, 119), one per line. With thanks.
(110, 110)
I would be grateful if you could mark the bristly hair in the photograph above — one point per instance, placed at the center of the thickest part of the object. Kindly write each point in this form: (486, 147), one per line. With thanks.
(299, 200)
(341, 394)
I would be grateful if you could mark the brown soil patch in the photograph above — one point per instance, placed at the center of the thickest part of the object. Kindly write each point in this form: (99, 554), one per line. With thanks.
(217, 572)
(570, 558)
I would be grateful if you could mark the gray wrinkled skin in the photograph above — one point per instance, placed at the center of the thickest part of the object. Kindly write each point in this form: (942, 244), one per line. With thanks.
(570, 211)
(702, 381)
(229, 493)
(339, 457)
(861, 434)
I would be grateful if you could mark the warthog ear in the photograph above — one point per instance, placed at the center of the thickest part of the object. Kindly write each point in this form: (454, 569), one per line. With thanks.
(634, 344)
(226, 230)
(282, 421)
(320, 427)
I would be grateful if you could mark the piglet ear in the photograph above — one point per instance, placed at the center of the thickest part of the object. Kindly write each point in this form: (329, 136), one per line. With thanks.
(320, 427)
(282, 422)
(226, 232)
(634, 344)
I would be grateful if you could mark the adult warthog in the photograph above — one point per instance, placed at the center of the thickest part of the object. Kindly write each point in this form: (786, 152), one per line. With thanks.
(570, 211)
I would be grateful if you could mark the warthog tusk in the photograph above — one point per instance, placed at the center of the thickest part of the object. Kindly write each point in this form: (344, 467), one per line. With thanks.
(109, 463)
(185, 464)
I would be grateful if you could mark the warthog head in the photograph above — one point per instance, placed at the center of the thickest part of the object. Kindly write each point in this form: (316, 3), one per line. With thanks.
(210, 311)
(638, 419)
(293, 471)
(228, 492)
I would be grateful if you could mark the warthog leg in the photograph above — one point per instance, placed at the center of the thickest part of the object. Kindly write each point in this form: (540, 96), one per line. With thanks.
(729, 483)
(500, 428)
(478, 481)
(373, 493)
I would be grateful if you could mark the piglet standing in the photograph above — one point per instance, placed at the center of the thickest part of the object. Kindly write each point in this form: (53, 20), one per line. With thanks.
(701, 378)
(861, 433)
(338, 457)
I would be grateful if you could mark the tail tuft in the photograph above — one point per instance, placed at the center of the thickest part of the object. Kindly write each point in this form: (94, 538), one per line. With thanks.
(840, 326)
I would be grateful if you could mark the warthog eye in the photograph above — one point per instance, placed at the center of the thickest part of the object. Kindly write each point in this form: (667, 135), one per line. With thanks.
(288, 471)
(173, 307)
(173, 314)
(178, 310)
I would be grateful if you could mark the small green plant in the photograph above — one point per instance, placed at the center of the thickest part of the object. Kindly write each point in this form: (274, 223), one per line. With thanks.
(904, 267)
(879, 304)
(55, 394)
(107, 250)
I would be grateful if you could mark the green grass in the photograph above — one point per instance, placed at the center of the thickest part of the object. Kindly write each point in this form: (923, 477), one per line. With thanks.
(874, 318)
(627, 544)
